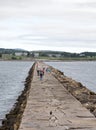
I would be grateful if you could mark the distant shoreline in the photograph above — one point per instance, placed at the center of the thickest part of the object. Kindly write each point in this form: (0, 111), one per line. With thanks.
(49, 60)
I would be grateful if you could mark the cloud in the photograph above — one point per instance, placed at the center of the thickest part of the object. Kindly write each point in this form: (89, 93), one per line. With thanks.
(53, 24)
(88, 4)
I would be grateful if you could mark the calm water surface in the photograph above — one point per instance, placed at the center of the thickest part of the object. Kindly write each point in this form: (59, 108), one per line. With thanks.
(12, 77)
(84, 72)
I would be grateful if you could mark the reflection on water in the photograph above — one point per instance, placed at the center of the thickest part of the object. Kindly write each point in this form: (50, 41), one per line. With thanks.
(12, 77)
(84, 72)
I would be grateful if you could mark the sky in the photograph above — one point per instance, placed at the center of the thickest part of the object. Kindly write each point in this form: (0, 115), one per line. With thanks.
(59, 25)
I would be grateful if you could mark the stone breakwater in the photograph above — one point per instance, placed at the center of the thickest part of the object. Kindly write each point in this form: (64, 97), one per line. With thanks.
(39, 105)
(51, 107)
(80, 92)
(13, 119)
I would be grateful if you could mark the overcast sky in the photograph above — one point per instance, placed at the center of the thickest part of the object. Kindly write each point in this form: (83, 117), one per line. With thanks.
(62, 25)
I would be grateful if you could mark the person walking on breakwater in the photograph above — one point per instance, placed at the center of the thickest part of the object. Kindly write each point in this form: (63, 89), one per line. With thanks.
(48, 69)
(38, 71)
(41, 73)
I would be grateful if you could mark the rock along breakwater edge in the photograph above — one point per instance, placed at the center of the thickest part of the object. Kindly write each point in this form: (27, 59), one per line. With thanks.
(80, 92)
(13, 119)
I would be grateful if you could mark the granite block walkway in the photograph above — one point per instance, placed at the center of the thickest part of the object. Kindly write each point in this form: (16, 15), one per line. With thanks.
(51, 107)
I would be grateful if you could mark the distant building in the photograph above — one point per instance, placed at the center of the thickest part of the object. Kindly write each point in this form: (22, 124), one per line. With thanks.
(82, 55)
(25, 53)
(58, 55)
(54, 55)
(18, 53)
(21, 53)
(36, 54)
(50, 55)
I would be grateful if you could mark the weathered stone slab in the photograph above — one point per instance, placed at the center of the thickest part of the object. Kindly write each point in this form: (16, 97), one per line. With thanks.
(51, 107)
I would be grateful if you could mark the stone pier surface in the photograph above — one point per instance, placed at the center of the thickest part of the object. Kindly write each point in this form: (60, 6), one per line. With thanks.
(51, 107)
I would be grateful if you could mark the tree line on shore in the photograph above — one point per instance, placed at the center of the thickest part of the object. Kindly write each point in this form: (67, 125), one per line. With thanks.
(19, 54)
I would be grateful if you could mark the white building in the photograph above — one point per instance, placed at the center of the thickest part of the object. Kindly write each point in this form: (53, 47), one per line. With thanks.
(20, 53)
(36, 54)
